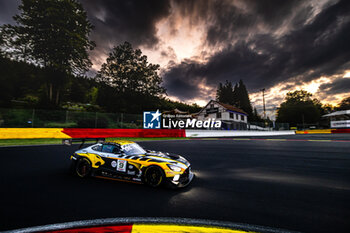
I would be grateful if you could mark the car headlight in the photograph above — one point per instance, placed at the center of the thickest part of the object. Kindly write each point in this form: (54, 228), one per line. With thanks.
(174, 168)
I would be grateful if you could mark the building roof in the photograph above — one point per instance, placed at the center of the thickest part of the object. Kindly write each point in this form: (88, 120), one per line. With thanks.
(227, 106)
(337, 113)
(232, 108)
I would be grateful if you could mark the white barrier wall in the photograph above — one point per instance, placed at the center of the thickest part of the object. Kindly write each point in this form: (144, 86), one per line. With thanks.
(235, 133)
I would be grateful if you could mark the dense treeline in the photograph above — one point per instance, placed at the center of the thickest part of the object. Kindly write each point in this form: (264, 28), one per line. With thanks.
(44, 57)
(299, 107)
(23, 85)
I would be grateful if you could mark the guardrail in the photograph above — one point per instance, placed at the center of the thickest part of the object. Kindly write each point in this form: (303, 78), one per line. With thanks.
(340, 130)
(31, 133)
(314, 131)
(27, 133)
(235, 133)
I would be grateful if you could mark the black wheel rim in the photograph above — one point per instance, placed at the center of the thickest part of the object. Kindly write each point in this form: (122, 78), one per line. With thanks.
(83, 168)
(153, 177)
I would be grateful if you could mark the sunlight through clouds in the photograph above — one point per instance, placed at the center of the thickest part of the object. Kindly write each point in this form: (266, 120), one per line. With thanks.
(347, 75)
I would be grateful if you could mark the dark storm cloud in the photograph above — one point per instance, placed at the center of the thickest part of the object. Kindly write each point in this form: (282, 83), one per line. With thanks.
(7, 10)
(322, 46)
(273, 12)
(228, 21)
(183, 81)
(340, 85)
(319, 47)
(233, 63)
(288, 87)
(119, 21)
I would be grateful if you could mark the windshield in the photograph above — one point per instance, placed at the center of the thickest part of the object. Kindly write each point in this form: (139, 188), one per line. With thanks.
(132, 149)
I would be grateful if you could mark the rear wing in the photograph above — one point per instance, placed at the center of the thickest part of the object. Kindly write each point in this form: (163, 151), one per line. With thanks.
(70, 141)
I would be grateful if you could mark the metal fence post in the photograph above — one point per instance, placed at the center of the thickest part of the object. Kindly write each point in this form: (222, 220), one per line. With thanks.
(66, 116)
(33, 115)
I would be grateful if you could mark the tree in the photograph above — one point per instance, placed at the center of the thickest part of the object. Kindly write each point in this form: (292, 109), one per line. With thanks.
(19, 81)
(224, 93)
(298, 107)
(52, 34)
(344, 104)
(328, 108)
(133, 84)
(256, 117)
(235, 100)
(243, 99)
(128, 71)
(128, 77)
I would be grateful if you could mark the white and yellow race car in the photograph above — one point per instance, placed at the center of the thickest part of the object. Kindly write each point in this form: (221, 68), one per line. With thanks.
(127, 161)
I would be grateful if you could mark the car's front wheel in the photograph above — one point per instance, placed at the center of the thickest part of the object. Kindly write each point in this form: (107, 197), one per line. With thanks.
(153, 176)
(83, 167)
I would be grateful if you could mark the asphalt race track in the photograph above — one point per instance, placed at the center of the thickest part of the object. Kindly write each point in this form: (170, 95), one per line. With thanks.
(295, 185)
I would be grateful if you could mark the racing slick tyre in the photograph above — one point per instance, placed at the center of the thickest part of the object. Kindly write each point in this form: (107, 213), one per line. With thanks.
(83, 167)
(153, 176)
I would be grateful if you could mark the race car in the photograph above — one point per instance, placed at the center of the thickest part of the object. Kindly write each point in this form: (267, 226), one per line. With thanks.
(127, 161)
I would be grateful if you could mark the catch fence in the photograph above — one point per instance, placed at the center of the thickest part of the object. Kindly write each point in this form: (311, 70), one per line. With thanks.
(39, 118)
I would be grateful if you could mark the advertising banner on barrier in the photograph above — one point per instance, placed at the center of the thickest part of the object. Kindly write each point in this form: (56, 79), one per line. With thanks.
(340, 124)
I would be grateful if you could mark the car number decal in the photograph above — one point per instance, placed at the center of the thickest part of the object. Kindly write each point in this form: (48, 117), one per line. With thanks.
(121, 166)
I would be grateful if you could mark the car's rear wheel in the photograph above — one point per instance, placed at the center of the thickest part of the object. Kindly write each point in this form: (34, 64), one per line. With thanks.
(83, 167)
(153, 176)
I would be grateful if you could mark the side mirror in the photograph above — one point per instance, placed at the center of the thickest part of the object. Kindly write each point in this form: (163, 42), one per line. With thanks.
(122, 153)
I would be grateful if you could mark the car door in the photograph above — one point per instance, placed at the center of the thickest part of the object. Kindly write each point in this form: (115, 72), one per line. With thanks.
(111, 153)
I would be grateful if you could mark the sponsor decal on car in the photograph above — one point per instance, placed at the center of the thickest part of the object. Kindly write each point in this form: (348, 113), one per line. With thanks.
(121, 166)
(131, 173)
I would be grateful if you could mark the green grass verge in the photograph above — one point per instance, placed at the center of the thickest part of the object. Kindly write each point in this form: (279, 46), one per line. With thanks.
(45, 141)
(39, 141)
